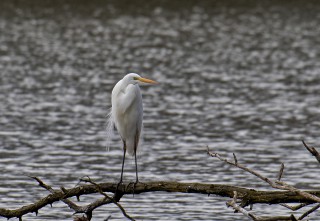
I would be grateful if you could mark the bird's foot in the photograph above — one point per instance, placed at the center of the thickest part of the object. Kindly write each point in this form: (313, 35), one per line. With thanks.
(117, 189)
(133, 184)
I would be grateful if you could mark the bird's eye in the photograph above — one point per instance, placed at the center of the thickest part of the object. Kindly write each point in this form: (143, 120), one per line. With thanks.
(135, 78)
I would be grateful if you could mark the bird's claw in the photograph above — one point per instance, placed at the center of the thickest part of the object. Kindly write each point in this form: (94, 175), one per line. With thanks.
(133, 186)
(117, 189)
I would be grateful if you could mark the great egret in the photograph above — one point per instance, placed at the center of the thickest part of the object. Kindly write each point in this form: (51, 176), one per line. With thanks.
(127, 114)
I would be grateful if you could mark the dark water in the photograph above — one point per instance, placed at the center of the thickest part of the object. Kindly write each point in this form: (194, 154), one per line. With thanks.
(238, 77)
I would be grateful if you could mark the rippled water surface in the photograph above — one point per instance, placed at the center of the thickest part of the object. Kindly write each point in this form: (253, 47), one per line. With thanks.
(238, 77)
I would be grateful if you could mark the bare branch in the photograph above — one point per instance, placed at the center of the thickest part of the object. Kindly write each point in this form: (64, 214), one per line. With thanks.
(50, 189)
(248, 196)
(312, 150)
(309, 211)
(294, 208)
(285, 186)
(87, 209)
(275, 184)
(280, 172)
(110, 199)
(234, 205)
(235, 159)
(216, 155)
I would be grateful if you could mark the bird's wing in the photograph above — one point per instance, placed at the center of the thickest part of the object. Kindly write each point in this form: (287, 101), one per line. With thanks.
(131, 95)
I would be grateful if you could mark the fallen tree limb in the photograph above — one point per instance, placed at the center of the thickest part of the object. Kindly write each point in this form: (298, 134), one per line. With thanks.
(249, 195)
(246, 196)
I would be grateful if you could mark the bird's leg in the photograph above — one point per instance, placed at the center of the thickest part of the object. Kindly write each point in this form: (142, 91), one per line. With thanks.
(135, 158)
(123, 158)
(137, 180)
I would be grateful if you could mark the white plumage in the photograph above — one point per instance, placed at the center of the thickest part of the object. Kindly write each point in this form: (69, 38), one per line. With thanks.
(127, 113)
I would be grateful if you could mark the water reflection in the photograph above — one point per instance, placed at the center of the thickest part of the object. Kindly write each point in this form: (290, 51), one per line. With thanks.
(238, 78)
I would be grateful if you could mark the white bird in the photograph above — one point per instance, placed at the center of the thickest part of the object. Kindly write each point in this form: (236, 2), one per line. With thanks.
(127, 114)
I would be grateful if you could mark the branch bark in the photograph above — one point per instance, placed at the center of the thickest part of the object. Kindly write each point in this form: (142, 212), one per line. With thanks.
(250, 196)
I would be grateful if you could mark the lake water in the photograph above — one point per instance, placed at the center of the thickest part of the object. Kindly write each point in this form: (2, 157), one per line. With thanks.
(238, 76)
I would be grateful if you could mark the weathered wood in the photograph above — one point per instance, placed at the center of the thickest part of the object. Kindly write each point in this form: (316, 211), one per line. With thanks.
(312, 150)
(248, 196)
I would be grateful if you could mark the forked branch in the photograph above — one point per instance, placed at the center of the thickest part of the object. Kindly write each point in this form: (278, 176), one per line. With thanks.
(277, 184)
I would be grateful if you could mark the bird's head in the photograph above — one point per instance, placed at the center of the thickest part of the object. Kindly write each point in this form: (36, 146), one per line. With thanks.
(133, 78)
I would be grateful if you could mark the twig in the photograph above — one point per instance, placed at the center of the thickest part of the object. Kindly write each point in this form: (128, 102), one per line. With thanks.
(51, 190)
(285, 186)
(294, 208)
(216, 155)
(107, 218)
(275, 184)
(312, 150)
(72, 205)
(235, 159)
(309, 211)
(90, 207)
(280, 172)
(108, 198)
(234, 205)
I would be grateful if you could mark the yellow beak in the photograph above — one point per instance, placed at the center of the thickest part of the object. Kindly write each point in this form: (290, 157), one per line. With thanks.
(148, 81)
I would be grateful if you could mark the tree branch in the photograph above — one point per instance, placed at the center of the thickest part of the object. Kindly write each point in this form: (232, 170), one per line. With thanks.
(275, 184)
(288, 194)
(107, 199)
(236, 207)
(309, 211)
(294, 208)
(249, 196)
(49, 188)
(312, 150)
